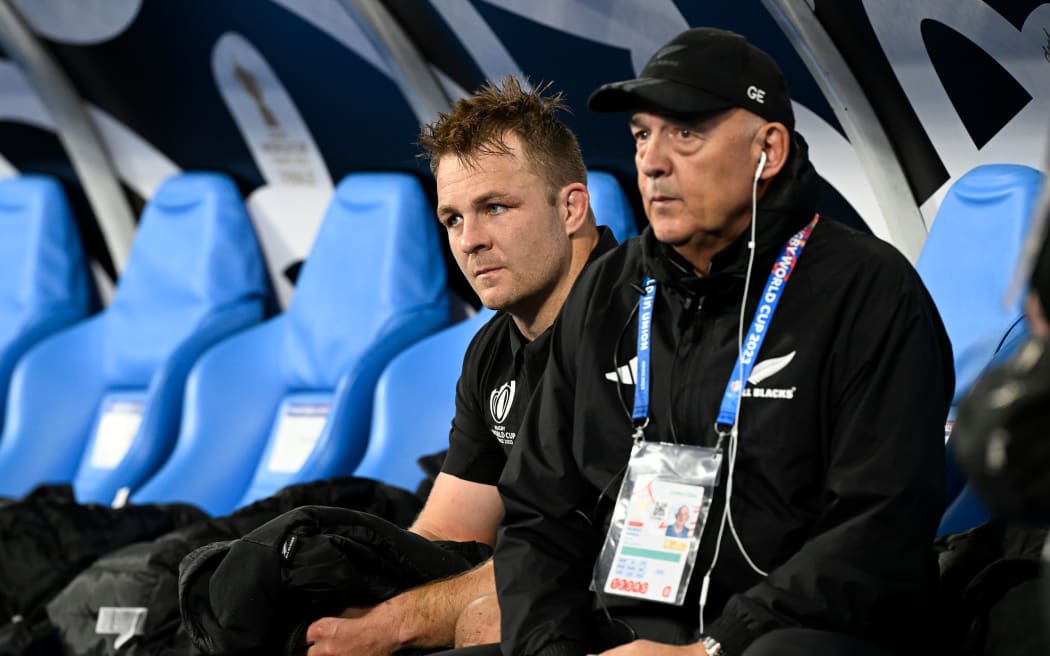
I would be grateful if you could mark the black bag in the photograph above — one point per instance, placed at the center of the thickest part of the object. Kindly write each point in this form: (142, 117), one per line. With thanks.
(47, 538)
(992, 590)
(1002, 435)
(257, 594)
(145, 575)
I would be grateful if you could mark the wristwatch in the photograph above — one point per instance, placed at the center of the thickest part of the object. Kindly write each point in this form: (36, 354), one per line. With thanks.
(712, 646)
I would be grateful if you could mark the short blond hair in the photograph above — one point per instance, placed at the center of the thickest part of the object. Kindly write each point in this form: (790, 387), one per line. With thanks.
(479, 125)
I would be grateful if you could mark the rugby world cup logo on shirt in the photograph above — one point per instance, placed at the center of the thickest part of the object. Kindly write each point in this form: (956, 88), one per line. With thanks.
(500, 401)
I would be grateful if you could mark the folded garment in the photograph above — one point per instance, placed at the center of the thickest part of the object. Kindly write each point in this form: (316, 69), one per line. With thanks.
(47, 538)
(256, 595)
(142, 578)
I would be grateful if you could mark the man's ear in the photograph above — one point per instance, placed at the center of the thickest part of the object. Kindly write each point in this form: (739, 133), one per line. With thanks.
(576, 205)
(775, 141)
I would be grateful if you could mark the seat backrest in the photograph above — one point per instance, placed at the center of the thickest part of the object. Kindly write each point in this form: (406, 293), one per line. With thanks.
(194, 251)
(968, 263)
(194, 275)
(378, 249)
(970, 256)
(610, 205)
(415, 402)
(291, 400)
(45, 282)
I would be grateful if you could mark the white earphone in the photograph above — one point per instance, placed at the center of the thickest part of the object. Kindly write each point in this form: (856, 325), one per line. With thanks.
(727, 516)
(761, 165)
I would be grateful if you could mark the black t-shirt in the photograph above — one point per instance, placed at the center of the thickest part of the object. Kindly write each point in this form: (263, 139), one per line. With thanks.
(500, 371)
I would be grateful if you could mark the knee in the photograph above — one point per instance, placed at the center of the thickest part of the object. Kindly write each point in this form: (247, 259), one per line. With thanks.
(478, 624)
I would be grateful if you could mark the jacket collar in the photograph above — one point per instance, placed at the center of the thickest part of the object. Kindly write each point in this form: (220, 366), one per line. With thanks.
(606, 242)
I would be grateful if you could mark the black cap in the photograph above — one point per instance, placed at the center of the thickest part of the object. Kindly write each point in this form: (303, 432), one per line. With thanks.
(703, 70)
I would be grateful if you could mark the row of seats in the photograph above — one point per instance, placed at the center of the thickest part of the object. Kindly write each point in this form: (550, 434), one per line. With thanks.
(178, 374)
(182, 390)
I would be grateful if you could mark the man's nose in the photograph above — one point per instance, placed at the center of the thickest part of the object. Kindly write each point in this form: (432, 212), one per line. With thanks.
(473, 237)
(652, 158)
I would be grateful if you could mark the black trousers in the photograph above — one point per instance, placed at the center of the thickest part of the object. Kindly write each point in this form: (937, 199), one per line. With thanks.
(785, 642)
(810, 642)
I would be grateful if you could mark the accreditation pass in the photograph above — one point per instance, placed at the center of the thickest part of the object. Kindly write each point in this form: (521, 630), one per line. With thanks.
(663, 520)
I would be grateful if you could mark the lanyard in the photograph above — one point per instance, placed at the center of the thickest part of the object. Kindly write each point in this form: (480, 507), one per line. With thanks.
(756, 334)
(645, 323)
(778, 277)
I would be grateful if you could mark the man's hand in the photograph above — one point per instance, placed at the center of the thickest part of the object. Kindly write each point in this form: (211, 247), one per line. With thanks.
(426, 616)
(650, 648)
(422, 617)
(356, 632)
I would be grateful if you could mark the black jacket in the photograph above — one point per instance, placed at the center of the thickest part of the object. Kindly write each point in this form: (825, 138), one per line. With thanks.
(145, 574)
(839, 474)
(256, 595)
(47, 538)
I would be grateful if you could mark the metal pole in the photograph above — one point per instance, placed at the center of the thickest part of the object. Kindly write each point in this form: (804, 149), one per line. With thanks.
(75, 131)
(858, 119)
(410, 72)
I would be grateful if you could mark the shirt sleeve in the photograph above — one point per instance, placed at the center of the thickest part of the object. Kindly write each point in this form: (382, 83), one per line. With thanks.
(473, 453)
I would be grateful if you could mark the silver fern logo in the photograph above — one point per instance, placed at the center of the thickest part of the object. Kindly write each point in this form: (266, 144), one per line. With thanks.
(770, 367)
(764, 370)
(500, 401)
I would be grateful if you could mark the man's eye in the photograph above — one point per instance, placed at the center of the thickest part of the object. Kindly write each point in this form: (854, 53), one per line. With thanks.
(453, 221)
(496, 208)
(641, 135)
(685, 133)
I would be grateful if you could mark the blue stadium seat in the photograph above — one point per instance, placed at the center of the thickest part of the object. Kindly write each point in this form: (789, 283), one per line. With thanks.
(194, 275)
(610, 205)
(45, 283)
(965, 509)
(415, 401)
(968, 263)
(291, 400)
